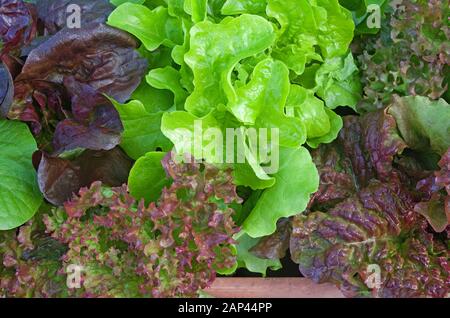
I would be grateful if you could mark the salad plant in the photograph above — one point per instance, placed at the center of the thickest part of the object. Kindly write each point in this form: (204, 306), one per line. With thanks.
(148, 146)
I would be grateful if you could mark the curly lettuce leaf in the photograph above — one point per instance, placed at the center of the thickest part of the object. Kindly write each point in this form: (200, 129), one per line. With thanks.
(226, 43)
(307, 26)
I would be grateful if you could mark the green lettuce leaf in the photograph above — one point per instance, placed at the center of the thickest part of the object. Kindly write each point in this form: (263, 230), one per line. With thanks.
(142, 129)
(20, 196)
(226, 43)
(297, 179)
(148, 178)
(306, 27)
(423, 124)
(153, 27)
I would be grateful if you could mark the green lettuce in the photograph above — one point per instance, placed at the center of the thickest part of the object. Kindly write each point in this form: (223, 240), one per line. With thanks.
(20, 195)
(282, 66)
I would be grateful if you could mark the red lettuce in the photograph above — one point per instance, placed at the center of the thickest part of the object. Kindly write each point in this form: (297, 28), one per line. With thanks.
(409, 57)
(18, 25)
(171, 248)
(435, 206)
(365, 215)
(377, 226)
(95, 122)
(59, 178)
(54, 14)
(59, 91)
(6, 90)
(30, 262)
(97, 55)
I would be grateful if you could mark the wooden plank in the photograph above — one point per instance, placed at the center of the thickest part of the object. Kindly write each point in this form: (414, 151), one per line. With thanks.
(247, 287)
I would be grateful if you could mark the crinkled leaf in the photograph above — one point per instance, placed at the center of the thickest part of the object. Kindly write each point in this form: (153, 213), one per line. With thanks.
(375, 227)
(170, 249)
(95, 123)
(20, 197)
(18, 25)
(267, 88)
(307, 25)
(338, 83)
(6, 90)
(410, 55)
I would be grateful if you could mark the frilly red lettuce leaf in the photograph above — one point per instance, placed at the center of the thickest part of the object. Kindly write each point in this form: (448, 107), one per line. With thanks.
(54, 14)
(172, 248)
(59, 178)
(409, 57)
(18, 25)
(30, 262)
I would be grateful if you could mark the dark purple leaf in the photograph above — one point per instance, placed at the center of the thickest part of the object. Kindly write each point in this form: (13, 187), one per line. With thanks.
(59, 178)
(6, 90)
(41, 103)
(97, 55)
(56, 13)
(375, 228)
(95, 123)
(274, 246)
(17, 24)
(435, 206)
